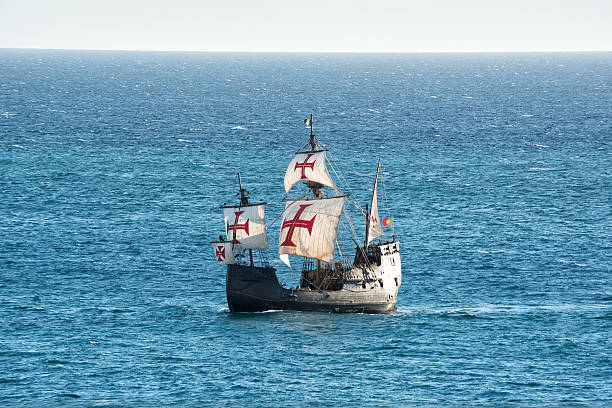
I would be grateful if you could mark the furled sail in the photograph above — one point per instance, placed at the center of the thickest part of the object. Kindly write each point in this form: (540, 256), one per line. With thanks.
(224, 252)
(310, 227)
(308, 166)
(245, 226)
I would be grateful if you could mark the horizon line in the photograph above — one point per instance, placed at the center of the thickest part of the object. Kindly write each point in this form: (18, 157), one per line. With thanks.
(315, 51)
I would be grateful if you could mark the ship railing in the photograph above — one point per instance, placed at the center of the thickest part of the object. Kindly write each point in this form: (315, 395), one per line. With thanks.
(369, 255)
(341, 265)
(330, 276)
(309, 265)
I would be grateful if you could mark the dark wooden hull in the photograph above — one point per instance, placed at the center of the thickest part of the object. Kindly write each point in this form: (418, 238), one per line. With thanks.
(256, 289)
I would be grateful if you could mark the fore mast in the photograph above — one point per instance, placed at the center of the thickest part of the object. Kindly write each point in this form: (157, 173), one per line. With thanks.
(244, 201)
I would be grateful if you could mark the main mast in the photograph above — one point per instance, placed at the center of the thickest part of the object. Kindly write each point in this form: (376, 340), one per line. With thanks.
(313, 140)
(315, 187)
(310, 225)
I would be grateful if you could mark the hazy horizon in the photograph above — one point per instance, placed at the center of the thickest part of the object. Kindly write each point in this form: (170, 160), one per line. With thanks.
(386, 26)
(313, 52)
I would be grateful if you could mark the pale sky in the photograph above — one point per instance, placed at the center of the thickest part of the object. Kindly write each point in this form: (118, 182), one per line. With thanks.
(314, 25)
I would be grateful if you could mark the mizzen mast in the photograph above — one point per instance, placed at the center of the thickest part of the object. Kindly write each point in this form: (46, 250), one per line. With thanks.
(371, 209)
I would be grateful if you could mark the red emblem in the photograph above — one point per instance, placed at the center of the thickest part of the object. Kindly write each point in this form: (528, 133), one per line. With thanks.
(373, 219)
(236, 227)
(220, 252)
(304, 166)
(297, 223)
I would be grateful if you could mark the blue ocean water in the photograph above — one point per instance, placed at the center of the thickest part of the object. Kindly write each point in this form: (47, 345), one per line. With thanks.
(497, 174)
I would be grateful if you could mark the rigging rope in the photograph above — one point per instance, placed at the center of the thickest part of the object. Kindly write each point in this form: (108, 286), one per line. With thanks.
(363, 178)
(385, 203)
(282, 212)
(343, 181)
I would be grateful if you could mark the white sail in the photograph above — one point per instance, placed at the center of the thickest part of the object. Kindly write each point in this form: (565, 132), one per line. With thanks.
(375, 229)
(308, 167)
(245, 226)
(310, 227)
(224, 252)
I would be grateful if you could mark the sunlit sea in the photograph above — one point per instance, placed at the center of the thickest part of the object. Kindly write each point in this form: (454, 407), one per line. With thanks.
(497, 174)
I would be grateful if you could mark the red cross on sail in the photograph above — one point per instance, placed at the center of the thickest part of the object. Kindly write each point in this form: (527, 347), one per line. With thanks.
(297, 223)
(245, 226)
(305, 165)
(235, 227)
(309, 166)
(224, 252)
(310, 227)
(220, 252)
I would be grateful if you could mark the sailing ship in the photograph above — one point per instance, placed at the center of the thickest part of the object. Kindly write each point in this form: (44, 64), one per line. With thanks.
(368, 283)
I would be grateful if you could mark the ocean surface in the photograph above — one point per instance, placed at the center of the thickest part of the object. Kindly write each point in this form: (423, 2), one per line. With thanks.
(497, 172)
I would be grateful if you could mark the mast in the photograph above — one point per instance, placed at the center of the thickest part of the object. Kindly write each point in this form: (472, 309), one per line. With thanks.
(367, 232)
(316, 188)
(310, 224)
(313, 140)
(244, 200)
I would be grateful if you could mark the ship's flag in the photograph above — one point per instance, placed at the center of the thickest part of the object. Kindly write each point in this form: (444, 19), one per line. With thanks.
(307, 122)
(387, 222)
